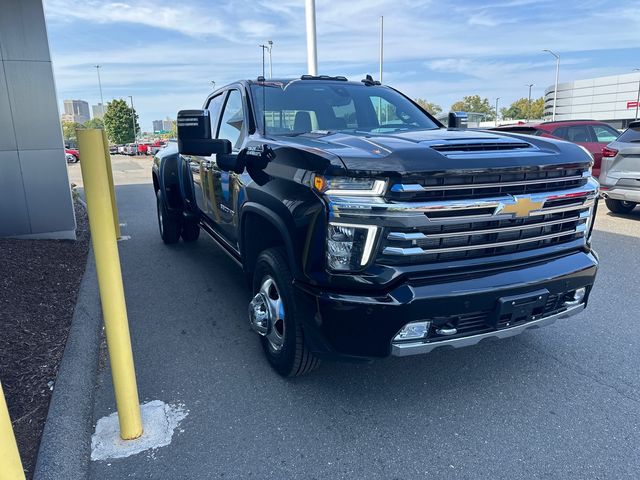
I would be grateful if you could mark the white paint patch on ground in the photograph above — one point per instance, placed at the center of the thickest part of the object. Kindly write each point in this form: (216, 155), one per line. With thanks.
(159, 420)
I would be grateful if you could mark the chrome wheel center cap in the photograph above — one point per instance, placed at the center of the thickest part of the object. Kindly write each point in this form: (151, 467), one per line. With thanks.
(259, 315)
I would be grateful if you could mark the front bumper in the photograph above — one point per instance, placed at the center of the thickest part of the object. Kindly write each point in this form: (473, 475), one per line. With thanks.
(363, 326)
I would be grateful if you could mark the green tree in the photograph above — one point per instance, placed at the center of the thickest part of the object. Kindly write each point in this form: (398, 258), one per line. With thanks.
(118, 122)
(94, 123)
(69, 130)
(521, 109)
(433, 108)
(475, 104)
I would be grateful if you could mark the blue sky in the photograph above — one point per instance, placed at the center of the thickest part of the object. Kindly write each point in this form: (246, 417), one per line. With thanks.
(165, 54)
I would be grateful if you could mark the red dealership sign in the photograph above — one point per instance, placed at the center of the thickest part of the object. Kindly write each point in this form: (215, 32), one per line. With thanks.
(632, 104)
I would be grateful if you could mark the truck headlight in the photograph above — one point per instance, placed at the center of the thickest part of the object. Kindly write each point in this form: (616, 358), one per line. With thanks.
(349, 186)
(349, 246)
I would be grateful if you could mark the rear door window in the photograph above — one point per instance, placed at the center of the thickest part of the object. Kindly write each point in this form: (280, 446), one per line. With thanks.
(575, 134)
(605, 134)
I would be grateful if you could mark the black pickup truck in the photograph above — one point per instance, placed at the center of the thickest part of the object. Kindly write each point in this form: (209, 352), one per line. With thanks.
(367, 229)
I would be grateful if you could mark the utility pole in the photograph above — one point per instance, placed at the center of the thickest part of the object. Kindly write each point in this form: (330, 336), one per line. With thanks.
(100, 87)
(638, 97)
(133, 119)
(312, 54)
(555, 89)
(497, 98)
(529, 101)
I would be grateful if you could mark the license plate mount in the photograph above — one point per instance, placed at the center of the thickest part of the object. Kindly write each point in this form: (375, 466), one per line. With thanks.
(516, 309)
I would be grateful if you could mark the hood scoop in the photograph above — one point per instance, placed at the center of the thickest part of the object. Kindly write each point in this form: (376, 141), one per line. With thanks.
(479, 146)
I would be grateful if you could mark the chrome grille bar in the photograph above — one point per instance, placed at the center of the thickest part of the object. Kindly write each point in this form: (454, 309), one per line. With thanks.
(516, 228)
(399, 251)
(414, 187)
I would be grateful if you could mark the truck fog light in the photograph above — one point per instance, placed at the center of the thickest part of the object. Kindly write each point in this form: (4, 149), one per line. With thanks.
(578, 297)
(413, 331)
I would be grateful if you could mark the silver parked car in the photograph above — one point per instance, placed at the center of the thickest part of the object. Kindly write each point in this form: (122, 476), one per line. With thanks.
(620, 171)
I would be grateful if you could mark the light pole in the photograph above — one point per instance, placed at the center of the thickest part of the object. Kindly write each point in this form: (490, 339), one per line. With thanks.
(270, 43)
(100, 87)
(529, 101)
(133, 119)
(638, 97)
(312, 53)
(263, 47)
(497, 98)
(555, 90)
(381, 45)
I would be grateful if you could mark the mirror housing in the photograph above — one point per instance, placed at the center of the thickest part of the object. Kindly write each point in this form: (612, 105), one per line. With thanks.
(458, 120)
(194, 135)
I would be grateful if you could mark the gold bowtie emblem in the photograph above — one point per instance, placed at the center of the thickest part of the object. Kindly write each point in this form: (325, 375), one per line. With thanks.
(522, 207)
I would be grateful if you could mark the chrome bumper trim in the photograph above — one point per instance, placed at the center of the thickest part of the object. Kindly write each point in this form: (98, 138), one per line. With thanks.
(416, 348)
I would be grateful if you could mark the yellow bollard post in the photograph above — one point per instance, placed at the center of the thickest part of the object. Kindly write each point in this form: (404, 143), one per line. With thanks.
(112, 190)
(10, 465)
(114, 310)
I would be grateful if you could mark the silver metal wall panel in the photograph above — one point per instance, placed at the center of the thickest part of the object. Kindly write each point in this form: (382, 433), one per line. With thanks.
(23, 34)
(46, 184)
(14, 216)
(33, 105)
(7, 135)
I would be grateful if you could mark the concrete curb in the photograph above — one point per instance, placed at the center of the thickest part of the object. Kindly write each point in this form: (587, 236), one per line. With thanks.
(65, 448)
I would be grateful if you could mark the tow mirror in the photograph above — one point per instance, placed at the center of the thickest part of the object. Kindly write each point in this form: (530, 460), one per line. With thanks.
(458, 120)
(194, 135)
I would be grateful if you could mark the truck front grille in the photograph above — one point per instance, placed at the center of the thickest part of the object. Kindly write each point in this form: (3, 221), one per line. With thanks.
(448, 187)
(465, 239)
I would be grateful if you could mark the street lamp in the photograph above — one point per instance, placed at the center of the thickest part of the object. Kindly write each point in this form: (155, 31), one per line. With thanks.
(133, 119)
(497, 98)
(312, 51)
(638, 97)
(268, 49)
(100, 87)
(555, 90)
(529, 101)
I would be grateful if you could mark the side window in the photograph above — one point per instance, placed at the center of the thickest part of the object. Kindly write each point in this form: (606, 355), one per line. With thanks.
(214, 107)
(561, 133)
(231, 125)
(579, 134)
(605, 134)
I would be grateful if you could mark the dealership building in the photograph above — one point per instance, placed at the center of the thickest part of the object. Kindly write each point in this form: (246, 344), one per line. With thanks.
(612, 99)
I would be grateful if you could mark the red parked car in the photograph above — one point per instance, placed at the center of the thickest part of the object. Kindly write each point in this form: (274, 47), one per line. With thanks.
(74, 152)
(590, 134)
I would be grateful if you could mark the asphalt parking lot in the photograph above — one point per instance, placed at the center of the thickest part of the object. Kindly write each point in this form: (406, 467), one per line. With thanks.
(558, 402)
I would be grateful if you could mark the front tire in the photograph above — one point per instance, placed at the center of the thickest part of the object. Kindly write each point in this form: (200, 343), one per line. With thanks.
(284, 344)
(619, 206)
(190, 231)
(168, 222)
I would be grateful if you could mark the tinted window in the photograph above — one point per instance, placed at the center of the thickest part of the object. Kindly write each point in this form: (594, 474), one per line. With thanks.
(232, 119)
(214, 107)
(303, 106)
(630, 135)
(576, 134)
(605, 134)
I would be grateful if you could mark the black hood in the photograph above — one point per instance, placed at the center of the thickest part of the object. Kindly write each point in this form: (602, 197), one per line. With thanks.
(436, 150)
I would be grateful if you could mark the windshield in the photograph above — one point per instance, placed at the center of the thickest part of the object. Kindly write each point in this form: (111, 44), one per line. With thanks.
(304, 106)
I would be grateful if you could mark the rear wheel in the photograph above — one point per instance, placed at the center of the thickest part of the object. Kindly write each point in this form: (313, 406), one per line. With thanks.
(619, 206)
(169, 223)
(284, 343)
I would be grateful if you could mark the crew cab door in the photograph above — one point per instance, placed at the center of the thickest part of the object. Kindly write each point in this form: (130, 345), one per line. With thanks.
(225, 187)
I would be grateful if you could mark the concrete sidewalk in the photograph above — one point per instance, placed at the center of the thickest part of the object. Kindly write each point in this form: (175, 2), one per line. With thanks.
(560, 402)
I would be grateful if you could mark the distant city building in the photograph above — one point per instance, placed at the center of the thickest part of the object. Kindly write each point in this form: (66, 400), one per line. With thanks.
(97, 110)
(65, 117)
(78, 109)
(611, 99)
(157, 125)
(167, 125)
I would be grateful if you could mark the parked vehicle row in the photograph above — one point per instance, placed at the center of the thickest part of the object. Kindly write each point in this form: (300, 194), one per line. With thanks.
(132, 149)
